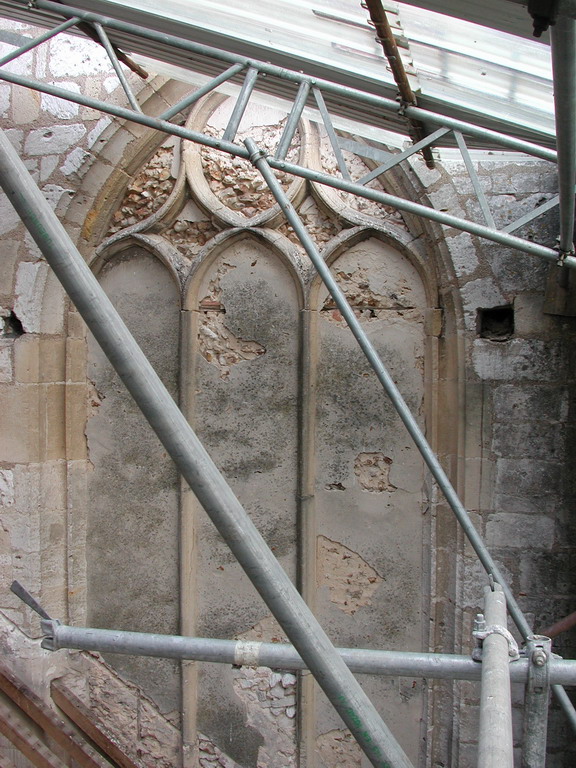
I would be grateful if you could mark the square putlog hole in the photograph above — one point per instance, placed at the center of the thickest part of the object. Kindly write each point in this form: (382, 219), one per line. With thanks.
(496, 323)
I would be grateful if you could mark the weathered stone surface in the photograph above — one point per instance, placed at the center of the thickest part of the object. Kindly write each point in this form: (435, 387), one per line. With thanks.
(9, 219)
(60, 108)
(6, 487)
(38, 298)
(53, 140)
(516, 531)
(6, 361)
(517, 359)
(73, 57)
(496, 410)
(133, 491)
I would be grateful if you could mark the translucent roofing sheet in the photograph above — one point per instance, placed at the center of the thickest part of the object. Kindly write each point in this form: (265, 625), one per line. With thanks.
(481, 69)
(454, 66)
(466, 71)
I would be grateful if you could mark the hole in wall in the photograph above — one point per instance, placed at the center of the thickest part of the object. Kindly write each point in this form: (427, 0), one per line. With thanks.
(496, 323)
(11, 327)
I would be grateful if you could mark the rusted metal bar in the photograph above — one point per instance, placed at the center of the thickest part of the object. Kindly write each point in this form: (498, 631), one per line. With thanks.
(25, 741)
(40, 713)
(79, 713)
(560, 626)
(386, 39)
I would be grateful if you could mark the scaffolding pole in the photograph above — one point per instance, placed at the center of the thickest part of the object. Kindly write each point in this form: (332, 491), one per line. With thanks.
(367, 661)
(196, 466)
(563, 42)
(417, 209)
(259, 159)
(536, 701)
(495, 739)
(264, 165)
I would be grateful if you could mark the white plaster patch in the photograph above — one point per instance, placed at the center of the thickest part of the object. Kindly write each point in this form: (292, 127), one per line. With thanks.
(54, 140)
(60, 108)
(9, 219)
(74, 57)
(30, 283)
(5, 93)
(6, 372)
(6, 487)
(75, 160)
(47, 165)
(53, 193)
(97, 131)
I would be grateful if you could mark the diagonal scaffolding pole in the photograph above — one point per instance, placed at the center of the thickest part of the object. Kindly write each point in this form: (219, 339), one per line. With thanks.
(446, 219)
(259, 159)
(211, 489)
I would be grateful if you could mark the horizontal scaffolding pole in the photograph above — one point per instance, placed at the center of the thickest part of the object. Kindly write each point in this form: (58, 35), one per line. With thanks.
(196, 466)
(353, 94)
(435, 666)
(480, 230)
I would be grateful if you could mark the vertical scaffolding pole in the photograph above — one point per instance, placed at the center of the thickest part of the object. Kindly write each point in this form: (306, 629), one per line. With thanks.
(536, 700)
(495, 740)
(197, 468)
(563, 41)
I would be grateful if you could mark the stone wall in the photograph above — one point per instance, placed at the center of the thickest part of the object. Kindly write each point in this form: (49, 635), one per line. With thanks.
(218, 290)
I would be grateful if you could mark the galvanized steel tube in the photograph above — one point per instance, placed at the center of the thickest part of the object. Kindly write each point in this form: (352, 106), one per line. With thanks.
(497, 236)
(495, 739)
(563, 43)
(261, 162)
(196, 466)
(437, 666)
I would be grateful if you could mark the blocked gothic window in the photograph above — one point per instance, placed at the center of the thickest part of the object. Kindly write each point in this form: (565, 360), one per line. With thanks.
(224, 301)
